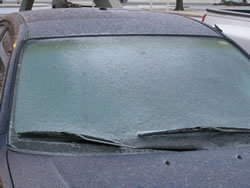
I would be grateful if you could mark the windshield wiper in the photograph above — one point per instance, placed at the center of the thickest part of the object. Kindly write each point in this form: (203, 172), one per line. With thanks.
(193, 130)
(75, 137)
(70, 136)
(173, 148)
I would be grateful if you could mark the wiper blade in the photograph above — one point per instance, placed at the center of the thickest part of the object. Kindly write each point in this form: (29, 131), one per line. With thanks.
(193, 130)
(96, 140)
(71, 136)
(173, 148)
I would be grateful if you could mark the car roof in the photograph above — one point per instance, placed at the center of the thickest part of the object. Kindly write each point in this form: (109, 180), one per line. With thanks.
(96, 21)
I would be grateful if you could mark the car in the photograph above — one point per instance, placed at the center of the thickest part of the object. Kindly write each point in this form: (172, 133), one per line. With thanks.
(95, 97)
(124, 1)
(232, 22)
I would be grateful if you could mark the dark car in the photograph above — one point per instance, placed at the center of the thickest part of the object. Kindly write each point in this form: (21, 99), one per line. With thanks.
(119, 98)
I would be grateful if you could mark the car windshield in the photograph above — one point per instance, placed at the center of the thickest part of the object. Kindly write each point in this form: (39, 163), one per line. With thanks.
(115, 86)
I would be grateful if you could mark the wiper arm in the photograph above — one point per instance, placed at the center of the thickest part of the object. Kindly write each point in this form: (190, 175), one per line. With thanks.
(173, 148)
(193, 130)
(71, 136)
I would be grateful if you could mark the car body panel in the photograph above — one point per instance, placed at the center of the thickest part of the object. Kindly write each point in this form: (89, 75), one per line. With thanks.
(89, 21)
(240, 34)
(234, 24)
(5, 179)
(225, 167)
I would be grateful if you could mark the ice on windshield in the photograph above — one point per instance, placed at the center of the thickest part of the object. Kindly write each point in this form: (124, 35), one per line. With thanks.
(114, 87)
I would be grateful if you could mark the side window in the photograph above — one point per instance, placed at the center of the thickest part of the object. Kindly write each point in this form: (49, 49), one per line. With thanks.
(5, 52)
(2, 31)
(7, 43)
(2, 27)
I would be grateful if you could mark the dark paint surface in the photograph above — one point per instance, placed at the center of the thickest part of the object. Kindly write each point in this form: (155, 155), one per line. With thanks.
(206, 168)
(92, 21)
(5, 179)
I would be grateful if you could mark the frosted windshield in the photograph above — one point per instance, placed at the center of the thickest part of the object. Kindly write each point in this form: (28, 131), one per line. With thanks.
(114, 87)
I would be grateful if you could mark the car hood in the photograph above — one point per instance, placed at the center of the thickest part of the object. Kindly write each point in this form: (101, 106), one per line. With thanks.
(209, 168)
